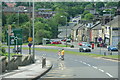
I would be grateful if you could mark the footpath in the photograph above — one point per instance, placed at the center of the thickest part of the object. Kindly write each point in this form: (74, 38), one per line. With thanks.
(29, 72)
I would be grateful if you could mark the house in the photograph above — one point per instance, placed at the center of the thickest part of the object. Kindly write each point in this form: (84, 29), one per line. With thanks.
(41, 12)
(113, 29)
(18, 10)
(74, 32)
(96, 32)
(82, 33)
(45, 13)
(10, 4)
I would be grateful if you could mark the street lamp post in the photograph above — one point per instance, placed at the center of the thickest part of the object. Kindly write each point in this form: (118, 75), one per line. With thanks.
(110, 29)
(33, 18)
(66, 28)
(110, 35)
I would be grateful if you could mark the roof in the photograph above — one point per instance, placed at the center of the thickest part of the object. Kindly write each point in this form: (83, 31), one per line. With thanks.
(16, 9)
(77, 26)
(82, 27)
(97, 26)
(44, 9)
(114, 22)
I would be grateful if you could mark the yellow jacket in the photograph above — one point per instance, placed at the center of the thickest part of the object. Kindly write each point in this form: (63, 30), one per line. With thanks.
(62, 52)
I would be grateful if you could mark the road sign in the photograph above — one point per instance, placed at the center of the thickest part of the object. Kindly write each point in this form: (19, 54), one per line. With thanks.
(99, 39)
(30, 44)
(30, 39)
(15, 37)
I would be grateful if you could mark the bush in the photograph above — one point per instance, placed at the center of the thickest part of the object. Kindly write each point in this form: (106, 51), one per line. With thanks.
(1, 53)
(72, 46)
(3, 50)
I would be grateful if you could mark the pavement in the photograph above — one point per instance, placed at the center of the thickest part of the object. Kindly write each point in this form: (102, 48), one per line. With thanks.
(30, 72)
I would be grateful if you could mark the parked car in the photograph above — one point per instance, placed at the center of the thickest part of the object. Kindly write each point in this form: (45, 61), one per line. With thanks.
(112, 48)
(63, 40)
(68, 40)
(101, 45)
(84, 44)
(84, 49)
(56, 42)
(88, 45)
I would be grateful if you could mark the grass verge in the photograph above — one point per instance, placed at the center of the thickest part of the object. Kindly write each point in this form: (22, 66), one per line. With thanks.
(76, 53)
(11, 54)
(58, 45)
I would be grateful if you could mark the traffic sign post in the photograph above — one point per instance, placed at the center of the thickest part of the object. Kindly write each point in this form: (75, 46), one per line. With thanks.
(30, 44)
(14, 38)
(99, 39)
(30, 39)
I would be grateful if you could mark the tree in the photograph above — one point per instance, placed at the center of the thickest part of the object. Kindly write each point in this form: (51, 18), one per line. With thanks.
(84, 13)
(3, 19)
(53, 24)
(89, 16)
(15, 19)
(27, 31)
(89, 6)
(42, 30)
(112, 4)
(40, 34)
(99, 5)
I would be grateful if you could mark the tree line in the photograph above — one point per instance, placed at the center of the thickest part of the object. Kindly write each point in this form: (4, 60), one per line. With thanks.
(48, 28)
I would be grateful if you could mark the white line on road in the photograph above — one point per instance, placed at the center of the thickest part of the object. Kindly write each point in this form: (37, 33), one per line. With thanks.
(109, 74)
(88, 64)
(84, 63)
(101, 70)
(94, 67)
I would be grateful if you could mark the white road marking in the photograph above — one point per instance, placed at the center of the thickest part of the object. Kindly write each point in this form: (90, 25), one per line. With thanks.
(94, 67)
(84, 63)
(101, 70)
(109, 74)
(88, 64)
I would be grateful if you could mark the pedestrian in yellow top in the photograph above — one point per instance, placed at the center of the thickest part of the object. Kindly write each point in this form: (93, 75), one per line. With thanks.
(59, 53)
(62, 54)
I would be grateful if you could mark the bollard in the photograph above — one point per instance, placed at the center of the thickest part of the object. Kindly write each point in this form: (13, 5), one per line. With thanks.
(43, 62)
(104, 53)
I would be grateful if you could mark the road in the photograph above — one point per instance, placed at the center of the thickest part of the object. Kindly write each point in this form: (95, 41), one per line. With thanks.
(75, 66)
